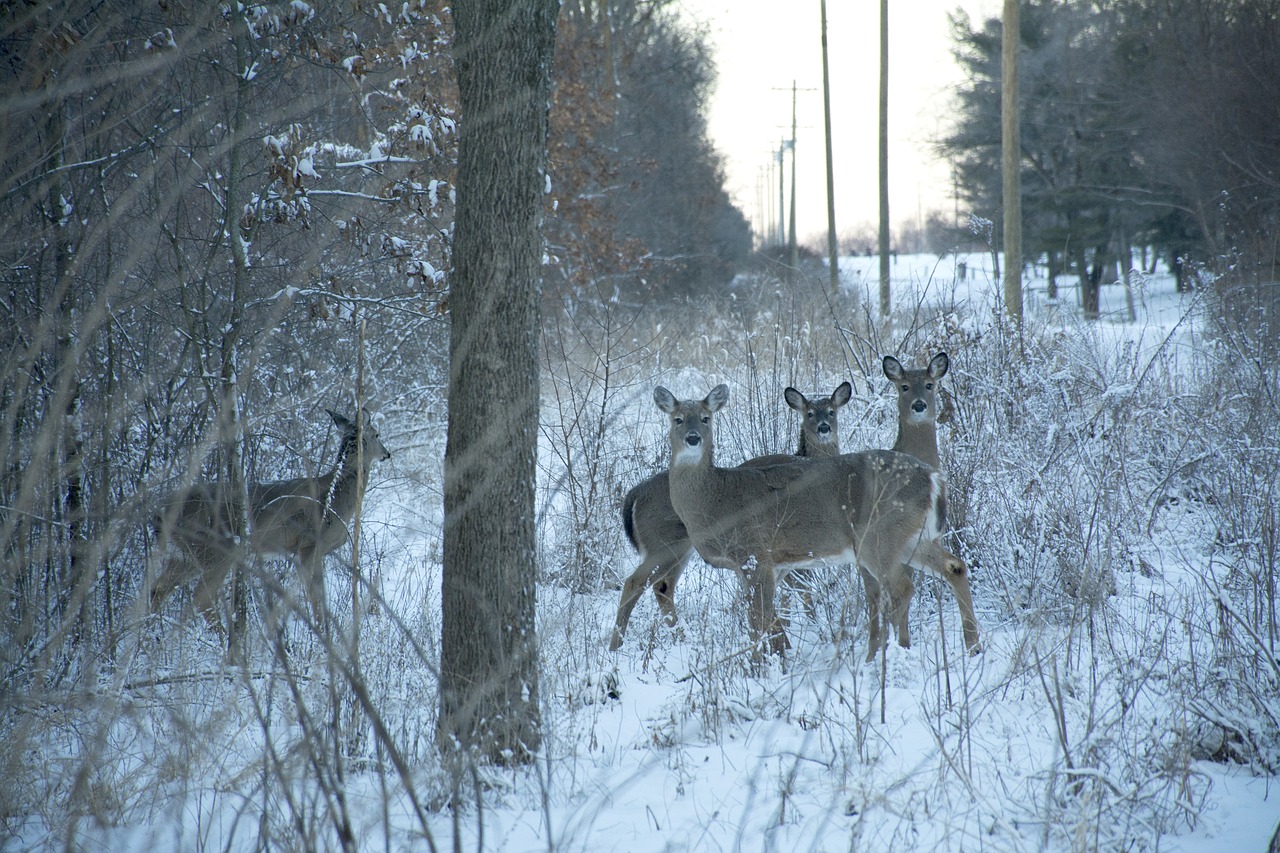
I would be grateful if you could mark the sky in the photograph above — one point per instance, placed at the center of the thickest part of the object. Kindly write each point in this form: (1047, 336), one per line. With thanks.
(761, 49)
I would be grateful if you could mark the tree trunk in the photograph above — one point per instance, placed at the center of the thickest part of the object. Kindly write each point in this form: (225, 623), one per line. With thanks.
(231, 422)
(1091, 284)
(488, 662)
(1124, 258)
(1055, 268)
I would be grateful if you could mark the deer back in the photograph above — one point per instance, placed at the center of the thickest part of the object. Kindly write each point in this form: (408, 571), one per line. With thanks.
(869, 504)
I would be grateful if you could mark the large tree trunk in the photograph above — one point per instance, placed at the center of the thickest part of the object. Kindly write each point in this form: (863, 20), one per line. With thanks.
(489, 666)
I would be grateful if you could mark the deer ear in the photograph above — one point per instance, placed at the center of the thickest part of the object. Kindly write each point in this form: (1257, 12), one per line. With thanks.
(338, 419)
(892, 368)
(938, 366)
(665, 399)
(717, 398)
(795, 399)
(841, 395)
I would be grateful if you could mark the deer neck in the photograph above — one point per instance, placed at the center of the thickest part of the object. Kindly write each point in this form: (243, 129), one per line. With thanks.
(342, 482)
(919, 440)
(813, 449)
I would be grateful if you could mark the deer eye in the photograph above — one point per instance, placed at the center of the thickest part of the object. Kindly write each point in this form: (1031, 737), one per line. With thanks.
(677, 421)
(706, 419)
(906, 387)
(929, 386)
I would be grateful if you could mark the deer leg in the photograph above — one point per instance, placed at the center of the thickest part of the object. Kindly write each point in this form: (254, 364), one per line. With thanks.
(661, 575)
(664, 584)
(901, 589)
(311, 567)
(953, 570)
(169, 579)
(761, 615)
(802, 581)
(872, 589)
(205, 597)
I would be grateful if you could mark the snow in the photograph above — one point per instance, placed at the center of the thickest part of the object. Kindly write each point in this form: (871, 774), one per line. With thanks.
(1056, 738)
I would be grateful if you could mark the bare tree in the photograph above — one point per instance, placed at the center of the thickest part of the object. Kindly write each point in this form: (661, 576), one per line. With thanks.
(489, 665)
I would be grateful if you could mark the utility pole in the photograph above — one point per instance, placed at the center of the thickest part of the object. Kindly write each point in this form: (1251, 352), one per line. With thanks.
(832, 258)
(885, 302)
(782, 204)
(790, 144)
(1011, 144)
(791, 235)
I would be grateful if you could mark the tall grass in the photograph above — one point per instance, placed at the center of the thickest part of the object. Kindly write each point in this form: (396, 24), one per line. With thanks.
(1114, 489)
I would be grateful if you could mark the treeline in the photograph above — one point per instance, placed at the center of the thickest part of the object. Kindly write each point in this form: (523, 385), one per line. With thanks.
(219, 220)
(1145, 123)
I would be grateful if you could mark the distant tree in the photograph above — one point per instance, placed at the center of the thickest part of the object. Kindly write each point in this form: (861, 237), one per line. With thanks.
(1205, 80)
(638, 187)
(489, 653)
(1144, 123)
(197, 202)
(1080, 194)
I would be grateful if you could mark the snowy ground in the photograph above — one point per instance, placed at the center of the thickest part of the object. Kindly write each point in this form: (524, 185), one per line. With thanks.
(1072, 731)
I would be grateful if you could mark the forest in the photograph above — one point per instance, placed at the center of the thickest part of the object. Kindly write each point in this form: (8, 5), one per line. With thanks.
(230, 281)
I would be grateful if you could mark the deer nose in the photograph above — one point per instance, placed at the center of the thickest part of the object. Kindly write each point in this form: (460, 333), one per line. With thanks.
(824, 428)
(693, 439)
(919, 406)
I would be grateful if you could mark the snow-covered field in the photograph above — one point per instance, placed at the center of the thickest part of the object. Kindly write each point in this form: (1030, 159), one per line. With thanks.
(1113, 489)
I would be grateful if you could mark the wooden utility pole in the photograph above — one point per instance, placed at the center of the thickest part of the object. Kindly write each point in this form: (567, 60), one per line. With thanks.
(885, 302)
(1011, 145)
(833, 259)
(791, 233)
(782, 201)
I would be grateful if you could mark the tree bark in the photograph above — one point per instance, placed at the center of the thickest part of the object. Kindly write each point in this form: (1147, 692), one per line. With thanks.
(489, 666)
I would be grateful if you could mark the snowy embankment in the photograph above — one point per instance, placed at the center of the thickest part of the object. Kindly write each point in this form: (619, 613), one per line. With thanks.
(1109, 492)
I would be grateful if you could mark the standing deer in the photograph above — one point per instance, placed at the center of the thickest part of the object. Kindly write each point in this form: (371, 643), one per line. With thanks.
(655, 530)
(918, 437)
(304, 519)
(878, 509)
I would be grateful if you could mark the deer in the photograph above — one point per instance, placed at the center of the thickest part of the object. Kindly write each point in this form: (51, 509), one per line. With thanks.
(878, 509)
(304, 519)
(655, 530)
(917, 436)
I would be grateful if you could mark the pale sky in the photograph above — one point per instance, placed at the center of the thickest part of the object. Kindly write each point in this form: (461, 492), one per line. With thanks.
(762, 45)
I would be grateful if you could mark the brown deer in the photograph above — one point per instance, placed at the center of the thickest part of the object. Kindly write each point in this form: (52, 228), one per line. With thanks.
(878, 509)
(304, 519)
(918, 437)
(654, 529)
